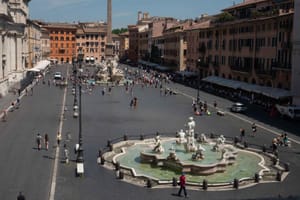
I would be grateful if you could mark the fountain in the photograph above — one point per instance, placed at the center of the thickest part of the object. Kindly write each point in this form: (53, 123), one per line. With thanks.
(201, 158)
(108, 71)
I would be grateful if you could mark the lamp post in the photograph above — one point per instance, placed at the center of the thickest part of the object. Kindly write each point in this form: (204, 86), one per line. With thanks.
(74, 91)
(198, 84)
(80, 160)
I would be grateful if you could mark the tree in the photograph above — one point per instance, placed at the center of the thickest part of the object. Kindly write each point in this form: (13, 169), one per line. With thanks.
(119, 31)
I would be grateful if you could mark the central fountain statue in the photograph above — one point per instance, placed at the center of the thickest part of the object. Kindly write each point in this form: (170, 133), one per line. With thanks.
(190, 139)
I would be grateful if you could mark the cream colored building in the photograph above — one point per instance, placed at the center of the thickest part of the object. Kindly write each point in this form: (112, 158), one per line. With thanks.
(13, 43)
(33, 32)
(91, 38)
(124, 45)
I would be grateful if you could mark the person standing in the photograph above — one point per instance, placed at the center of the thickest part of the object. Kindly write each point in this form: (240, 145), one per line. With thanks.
(46, 140)
(38, 141)
(58, 138)
(254, 129)
(182, 182)
(21, 196)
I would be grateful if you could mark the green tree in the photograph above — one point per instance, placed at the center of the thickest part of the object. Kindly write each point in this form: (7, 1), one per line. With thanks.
(119, 31)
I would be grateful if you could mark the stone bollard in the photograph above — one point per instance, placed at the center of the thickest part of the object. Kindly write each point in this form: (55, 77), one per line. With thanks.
(287, 167)
(174, 182)
(117, 166)
(102, 160)
(236, 140)
(264, 148)
(278, 176)
(245, 145)
(121, 175)
(108, 143)
(149, 183)
(236, 183)
(256, 177)
(141, 137)
(204, 184)
(125, 137)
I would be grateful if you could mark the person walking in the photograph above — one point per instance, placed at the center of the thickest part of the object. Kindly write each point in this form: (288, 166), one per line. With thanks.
(39, 141)
(21, 196)
(46, 140)
(66, 152)
(182, 182)
(254, 129)
(58, 138)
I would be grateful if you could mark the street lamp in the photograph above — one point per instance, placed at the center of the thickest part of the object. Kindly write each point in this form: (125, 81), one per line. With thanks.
(74, 91)
(198, 84)
(80, 160)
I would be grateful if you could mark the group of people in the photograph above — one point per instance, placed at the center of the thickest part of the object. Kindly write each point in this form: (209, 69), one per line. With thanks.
(39, 140)
(200, 107)
(281, 140)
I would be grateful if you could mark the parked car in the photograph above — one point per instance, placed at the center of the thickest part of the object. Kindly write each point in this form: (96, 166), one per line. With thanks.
(57, 76)
(238, 107)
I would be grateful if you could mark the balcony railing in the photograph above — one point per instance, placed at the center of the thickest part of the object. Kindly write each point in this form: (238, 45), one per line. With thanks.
(281, 66)
(240, 68)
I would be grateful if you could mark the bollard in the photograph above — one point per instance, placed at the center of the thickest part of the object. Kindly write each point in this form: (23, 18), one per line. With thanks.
(212, 136)
(256, 177)
(157, 133)
(264, 148)
(117, 166)
(111, 147)
(121, 175)
(245, 145)
(287, 167)
(204, 184)
(174, 182)
(236, 140)
(236, 183)
(149, 183)
(278, 176)
(141, 137)
(125, 137)
(102, 160)
(108, 143)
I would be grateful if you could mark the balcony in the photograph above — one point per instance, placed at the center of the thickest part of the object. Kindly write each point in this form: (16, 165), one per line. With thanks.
(281, 66)
(240, 69)
(203, 64)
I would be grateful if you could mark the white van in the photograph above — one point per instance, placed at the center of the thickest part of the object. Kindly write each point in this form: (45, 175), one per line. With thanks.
(292, 112)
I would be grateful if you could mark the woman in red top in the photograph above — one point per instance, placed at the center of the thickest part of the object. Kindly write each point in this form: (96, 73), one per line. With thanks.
(182, 185)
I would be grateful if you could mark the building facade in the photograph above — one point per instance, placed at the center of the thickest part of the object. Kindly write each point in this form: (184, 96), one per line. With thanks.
(249, 42)
(124, 45)
(296, 57)
(45, 44)
(91, 39)
(62, 41)
(33, 31)
(13, 43)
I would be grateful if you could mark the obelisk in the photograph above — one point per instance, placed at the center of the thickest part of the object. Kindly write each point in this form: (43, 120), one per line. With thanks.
(109, 44)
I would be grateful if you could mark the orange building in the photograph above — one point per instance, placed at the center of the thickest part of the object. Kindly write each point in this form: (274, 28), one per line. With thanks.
(62, 41)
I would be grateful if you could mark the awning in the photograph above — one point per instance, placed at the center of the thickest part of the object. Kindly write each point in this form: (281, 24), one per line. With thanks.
(275, 93)
(42, 65)
(186, 73)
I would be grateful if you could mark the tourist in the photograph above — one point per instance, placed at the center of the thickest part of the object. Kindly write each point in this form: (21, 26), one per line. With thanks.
(242, 134)
(58, 138)
(46, 141)
(21, 196)
(182, 182)
(254, 129)
(39, 141)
